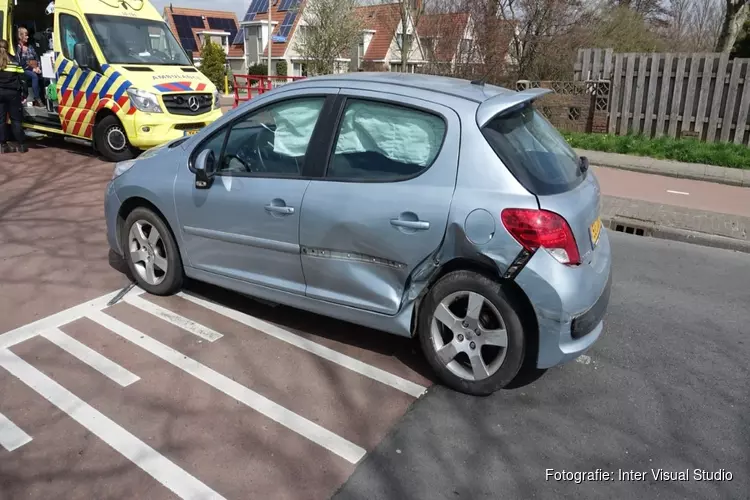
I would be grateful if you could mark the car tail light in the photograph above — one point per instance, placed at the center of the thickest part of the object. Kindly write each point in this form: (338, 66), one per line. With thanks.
(536, 229)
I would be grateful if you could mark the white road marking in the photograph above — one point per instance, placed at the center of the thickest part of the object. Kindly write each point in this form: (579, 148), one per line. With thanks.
(69, 315)
(186, 324)
(11, 436)
(100, 363)
(353, 364)
(310, 430)
(159, 467)
(678, 192)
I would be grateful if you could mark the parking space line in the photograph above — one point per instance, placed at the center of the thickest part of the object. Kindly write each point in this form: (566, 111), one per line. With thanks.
(302, 426)
(324, 352)
(84, 353)
(25, 332)
(11, 436)
(180, 321)
(159, 467)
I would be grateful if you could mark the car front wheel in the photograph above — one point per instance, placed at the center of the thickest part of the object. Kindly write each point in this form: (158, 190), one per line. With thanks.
(471, 334)
(151, 253)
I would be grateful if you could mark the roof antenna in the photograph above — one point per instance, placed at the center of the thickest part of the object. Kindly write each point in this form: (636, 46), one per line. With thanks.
(483, 80)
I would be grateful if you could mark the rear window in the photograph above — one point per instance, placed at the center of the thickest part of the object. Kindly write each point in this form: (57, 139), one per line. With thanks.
(534, 151)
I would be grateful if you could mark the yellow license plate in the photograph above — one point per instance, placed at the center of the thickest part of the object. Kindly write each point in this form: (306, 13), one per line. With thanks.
(596, 231)
(192, 132)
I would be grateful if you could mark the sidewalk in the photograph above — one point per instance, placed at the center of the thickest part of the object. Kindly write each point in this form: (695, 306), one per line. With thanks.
(731, 232)
(695, 171)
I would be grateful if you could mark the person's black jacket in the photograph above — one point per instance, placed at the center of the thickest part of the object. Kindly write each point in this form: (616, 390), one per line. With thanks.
(10, 77)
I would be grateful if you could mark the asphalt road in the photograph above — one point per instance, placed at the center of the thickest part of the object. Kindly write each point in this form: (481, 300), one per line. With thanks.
(665, 388)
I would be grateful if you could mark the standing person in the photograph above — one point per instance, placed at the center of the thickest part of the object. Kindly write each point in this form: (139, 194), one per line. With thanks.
(26, 54)
(10, 100)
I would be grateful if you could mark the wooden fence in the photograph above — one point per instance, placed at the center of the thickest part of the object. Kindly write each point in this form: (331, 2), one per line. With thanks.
(702, 95)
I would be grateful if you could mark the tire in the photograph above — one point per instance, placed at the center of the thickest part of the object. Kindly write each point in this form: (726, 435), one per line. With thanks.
(112, 141)
(152, 253)
(456, 363)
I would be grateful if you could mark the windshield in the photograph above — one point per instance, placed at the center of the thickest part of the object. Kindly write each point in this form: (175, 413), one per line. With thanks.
(126, 40)
(534, 151)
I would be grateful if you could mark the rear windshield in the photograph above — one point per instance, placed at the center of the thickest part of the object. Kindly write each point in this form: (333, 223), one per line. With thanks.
(534, 151)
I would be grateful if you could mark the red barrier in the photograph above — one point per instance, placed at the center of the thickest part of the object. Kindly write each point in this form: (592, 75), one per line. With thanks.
(254, 85)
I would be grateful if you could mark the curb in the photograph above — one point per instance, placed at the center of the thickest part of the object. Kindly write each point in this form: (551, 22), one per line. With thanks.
(678, 175)
(654, 230)
(694, 171)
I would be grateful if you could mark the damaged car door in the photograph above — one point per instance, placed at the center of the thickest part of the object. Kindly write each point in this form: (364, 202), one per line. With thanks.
(382, 206)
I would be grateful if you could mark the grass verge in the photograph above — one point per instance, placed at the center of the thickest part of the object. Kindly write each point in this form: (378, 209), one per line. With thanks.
(686, 150)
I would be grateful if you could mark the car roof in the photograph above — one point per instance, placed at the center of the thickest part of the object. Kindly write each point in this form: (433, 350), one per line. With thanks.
(427, 83)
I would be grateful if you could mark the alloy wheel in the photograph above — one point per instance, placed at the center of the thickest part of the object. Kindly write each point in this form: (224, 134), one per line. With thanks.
(469, 335)
(148, 252)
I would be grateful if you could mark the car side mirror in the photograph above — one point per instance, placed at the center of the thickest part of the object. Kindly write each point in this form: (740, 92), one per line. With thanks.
(83, 56)
(205, 169)
(584, 163)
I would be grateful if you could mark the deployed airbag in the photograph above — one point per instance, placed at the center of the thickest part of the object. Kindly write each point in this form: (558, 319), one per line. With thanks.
(401, 134)
(295, 122)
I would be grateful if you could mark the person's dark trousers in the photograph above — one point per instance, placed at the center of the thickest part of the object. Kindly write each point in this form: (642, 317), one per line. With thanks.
(10, 104)
(30, 75)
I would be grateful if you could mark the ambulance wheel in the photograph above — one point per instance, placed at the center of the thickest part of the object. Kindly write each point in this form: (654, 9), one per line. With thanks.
(112, 141)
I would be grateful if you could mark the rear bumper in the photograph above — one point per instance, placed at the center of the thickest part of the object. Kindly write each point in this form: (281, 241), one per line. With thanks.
(569, 302)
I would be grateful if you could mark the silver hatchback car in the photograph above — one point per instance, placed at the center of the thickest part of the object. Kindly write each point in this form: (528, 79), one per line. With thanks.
(417, 205)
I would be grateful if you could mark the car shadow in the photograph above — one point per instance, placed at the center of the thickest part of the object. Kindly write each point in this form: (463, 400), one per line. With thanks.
(319, 328)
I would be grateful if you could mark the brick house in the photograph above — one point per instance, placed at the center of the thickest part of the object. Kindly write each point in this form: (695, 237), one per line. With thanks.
(377, 49)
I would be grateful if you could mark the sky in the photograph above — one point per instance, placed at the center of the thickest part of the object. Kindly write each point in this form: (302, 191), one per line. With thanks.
(239, 7)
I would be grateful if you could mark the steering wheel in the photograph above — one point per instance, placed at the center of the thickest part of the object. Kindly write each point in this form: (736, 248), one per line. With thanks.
(260, 138)
(228, 159)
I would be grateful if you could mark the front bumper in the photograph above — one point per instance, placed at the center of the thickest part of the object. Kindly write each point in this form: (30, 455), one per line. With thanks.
(569, 302)
(111, 209)
(148, 130)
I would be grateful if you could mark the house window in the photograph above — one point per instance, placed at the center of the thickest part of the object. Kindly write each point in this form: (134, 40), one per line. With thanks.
(465, 46)
(400, 40)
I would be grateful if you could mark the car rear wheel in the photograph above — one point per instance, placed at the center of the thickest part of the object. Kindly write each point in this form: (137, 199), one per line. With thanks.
(471, 334)
(151, 253)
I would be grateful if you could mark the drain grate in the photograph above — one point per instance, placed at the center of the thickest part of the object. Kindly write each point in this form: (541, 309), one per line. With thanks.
(622, 228)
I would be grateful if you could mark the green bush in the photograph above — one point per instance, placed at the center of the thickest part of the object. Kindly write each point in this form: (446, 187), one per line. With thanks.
(213, 61)
(281, 68)
(686, 150)
(258, 69)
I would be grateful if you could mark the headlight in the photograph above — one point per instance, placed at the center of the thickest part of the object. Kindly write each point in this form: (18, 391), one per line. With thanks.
(217, 99)
(122, 167)
(144, 101)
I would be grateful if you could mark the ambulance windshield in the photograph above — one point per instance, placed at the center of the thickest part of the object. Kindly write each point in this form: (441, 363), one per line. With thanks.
(126, 40)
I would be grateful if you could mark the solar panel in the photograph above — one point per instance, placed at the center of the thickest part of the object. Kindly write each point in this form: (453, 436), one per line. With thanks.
(288, 5)
(223, 24)
(185, 25)
(286, 25)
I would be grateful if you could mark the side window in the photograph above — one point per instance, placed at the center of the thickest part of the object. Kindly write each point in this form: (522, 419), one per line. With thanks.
(272, 140)
(384, 142)
(71, 33)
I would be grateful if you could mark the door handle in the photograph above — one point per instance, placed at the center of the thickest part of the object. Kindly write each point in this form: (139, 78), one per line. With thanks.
(280, 209)
(417, 225)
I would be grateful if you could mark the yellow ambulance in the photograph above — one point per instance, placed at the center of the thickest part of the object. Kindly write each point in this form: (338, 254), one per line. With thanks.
(114, 74)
